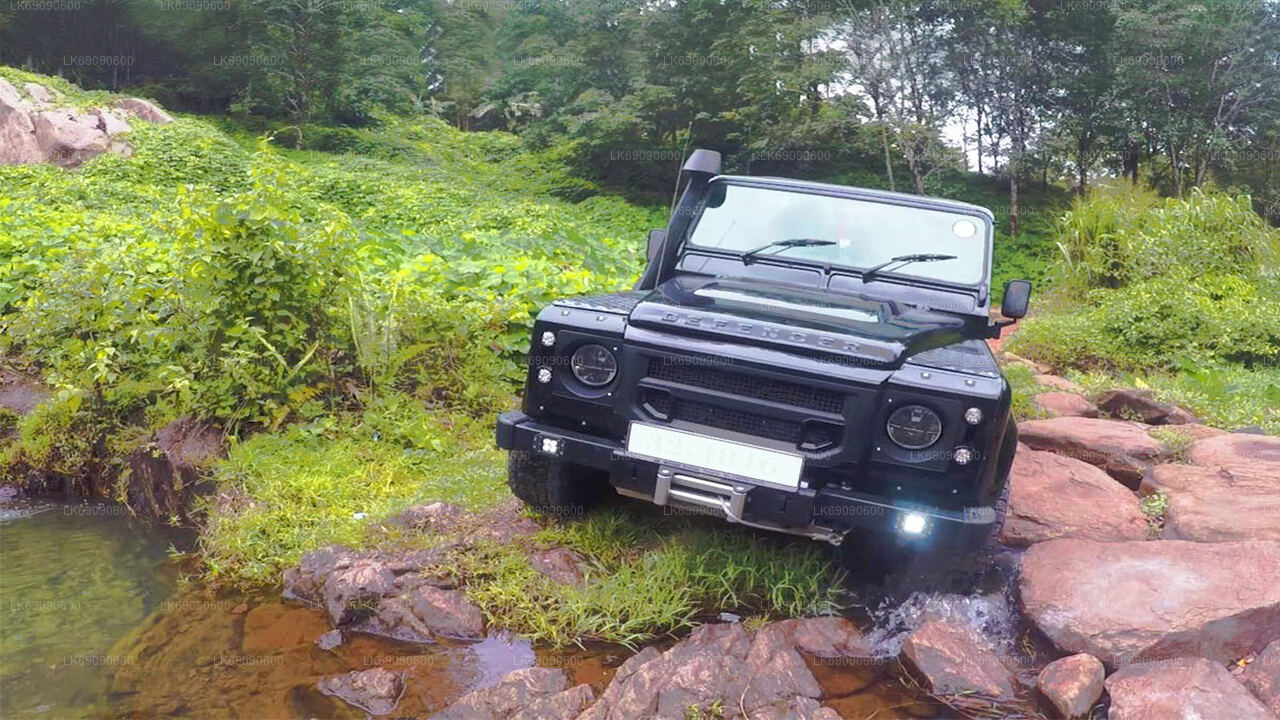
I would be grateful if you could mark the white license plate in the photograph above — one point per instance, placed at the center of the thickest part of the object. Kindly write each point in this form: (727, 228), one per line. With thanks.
(724, 456)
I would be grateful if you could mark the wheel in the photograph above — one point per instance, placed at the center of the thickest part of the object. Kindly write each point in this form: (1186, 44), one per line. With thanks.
(552, 487)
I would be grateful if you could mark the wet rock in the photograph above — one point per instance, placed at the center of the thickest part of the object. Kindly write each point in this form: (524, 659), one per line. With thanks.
(1122, 448)
(376, 690)
(1129, 601)
(1189, 687)
(19, 393)
(953, 660)
(529, 694)
(1214, 504)
(139, 108)
(1065, 404)
(167, 473)
(1139, 405)
(1058, 383)
(716, 666)
(560, 564)
(1257, 453)
(329, 640)
(425, 613)
(352, 590)
(827, 637)
(1054, 496)
(1262, 677)
(1072, 684)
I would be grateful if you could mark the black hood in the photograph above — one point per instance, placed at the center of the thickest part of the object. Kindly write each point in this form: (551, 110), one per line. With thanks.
(877, 332)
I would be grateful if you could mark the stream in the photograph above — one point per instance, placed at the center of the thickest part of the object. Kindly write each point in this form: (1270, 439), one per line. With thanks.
(98, 622)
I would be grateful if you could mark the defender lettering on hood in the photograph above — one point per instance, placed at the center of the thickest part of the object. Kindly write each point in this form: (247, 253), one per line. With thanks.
(878, 332)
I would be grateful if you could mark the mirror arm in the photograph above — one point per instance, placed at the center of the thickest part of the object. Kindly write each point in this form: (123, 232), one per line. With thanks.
(996, 326)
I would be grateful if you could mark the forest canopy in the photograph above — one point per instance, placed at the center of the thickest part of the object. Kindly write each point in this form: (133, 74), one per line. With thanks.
(890, 93)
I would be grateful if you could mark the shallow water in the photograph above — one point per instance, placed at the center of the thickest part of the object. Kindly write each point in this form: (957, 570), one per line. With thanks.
(94, 623)
(74, 578)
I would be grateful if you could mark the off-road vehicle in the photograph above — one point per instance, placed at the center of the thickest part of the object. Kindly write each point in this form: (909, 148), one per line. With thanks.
(797, 356)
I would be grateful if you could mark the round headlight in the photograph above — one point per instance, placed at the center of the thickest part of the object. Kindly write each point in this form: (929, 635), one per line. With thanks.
(594, 365)
(914, 427)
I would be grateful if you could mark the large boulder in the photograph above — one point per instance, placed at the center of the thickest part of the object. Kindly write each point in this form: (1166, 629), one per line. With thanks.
(18, 141)
(716, 666)
(1262, 677)
(952, 660)
(376, 690)
(41, 94)
(1054, 496)
(1244, 451)
(1065, 404)
(68, 138)
(1190, 688)
(1130, 601)
(1216, 504)
(1122, 448)
(1072, 684)
(534, 693)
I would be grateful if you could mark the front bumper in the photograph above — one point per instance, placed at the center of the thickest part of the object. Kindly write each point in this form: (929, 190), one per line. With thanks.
(826, 513)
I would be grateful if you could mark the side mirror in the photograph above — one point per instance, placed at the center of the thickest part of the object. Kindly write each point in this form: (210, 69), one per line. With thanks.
(655, 243)
(1017, 295)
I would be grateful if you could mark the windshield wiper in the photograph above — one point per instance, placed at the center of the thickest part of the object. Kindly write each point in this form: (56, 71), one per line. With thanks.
(905, 260)
(749, 256)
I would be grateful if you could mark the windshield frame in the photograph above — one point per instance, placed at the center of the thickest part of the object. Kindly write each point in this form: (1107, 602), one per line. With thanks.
(884, 197)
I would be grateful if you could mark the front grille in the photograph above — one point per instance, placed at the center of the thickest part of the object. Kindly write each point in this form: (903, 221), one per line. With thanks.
(724, 418)
(733, 383)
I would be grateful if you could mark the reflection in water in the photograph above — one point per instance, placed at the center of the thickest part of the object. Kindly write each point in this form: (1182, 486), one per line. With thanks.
(73, 579)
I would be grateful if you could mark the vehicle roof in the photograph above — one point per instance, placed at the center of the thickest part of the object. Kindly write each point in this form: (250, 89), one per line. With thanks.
(896, 198)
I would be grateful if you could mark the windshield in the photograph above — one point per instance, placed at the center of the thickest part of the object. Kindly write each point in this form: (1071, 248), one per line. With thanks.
(740, 218)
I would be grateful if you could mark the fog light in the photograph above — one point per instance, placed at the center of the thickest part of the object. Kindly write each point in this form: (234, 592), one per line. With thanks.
(550, 446)
(548, 339)
(963, 456)
(973, 416)
(913, 523)
(544, 375)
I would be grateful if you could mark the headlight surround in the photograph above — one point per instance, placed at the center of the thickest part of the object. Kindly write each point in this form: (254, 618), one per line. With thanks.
(914, 427)
(594, 365)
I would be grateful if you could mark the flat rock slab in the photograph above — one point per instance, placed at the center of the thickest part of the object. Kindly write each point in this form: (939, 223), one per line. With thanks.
(1239, 451)
(1130, 601)
(1053, 496)
(528, 694)
(1192, 688)
(1072, 684)
(1216, 504)
(1065, 404)
(1122, 448)
(953, 660)
(1262, 677)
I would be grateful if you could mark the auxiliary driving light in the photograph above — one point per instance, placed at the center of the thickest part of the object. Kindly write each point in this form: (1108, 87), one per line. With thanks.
(544, 375)
(973, 416)
(963, 456)
(549, 445)
(913, 523)
(548, 339)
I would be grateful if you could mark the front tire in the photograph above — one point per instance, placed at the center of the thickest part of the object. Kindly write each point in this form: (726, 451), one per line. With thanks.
(553, 487)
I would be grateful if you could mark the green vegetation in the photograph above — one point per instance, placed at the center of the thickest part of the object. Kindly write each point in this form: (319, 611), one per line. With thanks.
(1154, 506)
(1181, 296)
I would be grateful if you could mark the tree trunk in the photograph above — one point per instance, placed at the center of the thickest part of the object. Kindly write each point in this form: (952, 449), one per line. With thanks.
(1013, 203)
(888, 159)
(978, 108)
(1131, 161)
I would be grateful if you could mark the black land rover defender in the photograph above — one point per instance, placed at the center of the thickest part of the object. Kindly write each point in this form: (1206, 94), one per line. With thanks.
(800, 357)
